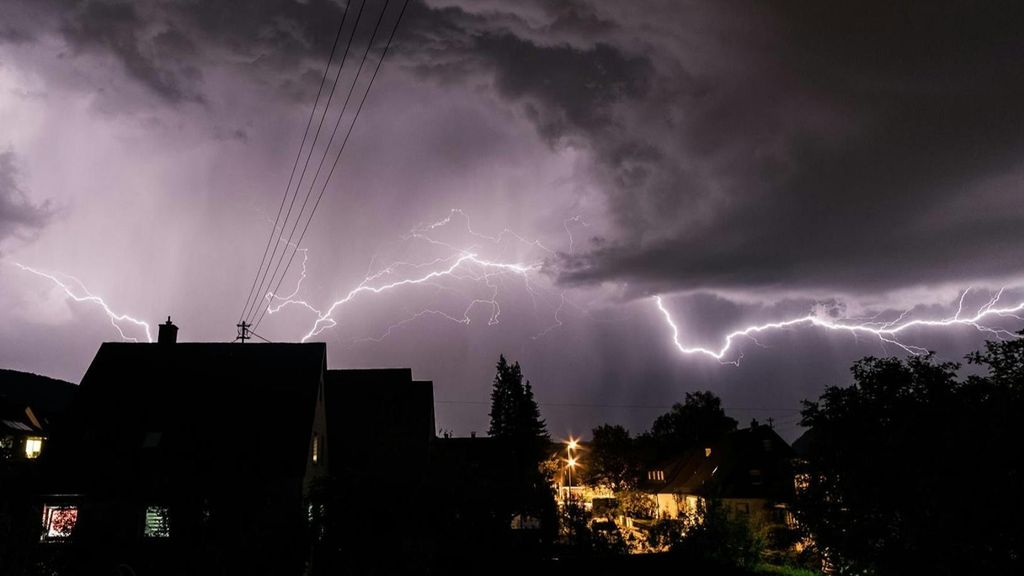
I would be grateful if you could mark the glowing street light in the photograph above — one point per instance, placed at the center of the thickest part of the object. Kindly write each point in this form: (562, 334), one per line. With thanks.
(571, 446)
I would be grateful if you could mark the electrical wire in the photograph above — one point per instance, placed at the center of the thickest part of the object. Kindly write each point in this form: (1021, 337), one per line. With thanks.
(341, 149)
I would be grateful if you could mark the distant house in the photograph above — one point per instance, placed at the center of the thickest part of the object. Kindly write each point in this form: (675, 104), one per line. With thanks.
(30, 405)
(224, 458)
(22, 433)
(749, 471)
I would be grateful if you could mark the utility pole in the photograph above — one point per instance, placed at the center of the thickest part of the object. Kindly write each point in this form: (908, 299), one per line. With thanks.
(243, 331)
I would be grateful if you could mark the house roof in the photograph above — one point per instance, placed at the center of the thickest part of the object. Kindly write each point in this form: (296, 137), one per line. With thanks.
(15, 419)
(47, 398)
(379, 416)
(748, 463)
(191, 413)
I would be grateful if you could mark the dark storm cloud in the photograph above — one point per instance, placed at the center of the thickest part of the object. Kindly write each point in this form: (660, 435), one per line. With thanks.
(854, 146)
(168, 46)
(19, 216)
(159, 62)
(850, 146)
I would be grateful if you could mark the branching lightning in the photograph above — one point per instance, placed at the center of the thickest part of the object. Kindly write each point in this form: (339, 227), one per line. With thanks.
(887, 332)
(82, 294)
(463, 268)
(461, 263)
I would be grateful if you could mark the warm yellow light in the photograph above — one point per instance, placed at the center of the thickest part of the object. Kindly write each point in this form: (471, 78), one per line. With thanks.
(572, 462)
(33, 446)
(573, 443)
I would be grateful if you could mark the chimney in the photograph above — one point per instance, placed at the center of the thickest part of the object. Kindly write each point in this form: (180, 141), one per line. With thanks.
(168, 333)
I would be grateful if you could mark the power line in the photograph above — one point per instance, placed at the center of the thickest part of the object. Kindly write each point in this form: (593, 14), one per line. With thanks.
(309, 155)
(326, 151)
(344, 142)
(302, 145)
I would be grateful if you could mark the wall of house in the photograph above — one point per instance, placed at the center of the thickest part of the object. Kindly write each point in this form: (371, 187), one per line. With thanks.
(668, 506)
(757, 511)
(317, 471)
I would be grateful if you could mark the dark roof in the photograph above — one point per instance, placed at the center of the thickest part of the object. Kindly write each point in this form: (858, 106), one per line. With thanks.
(14, 420)
(803, 445)
(42, 393)
(191, 414)
(748, 463)
(379, 421)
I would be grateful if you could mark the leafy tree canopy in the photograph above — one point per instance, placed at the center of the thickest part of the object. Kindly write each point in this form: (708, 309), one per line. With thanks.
(915, 470)
(613, 460)
(699, 420)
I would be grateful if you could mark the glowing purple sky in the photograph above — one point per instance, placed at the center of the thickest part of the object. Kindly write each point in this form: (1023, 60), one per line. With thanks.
(749, 164)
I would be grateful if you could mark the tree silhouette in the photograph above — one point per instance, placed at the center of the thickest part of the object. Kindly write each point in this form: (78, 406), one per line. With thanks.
(514, 411)
(914, 470)
(613, 460)
(699, 420)
(516, 422)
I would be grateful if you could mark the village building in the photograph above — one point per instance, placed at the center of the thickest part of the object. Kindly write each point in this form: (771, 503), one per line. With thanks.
(206, 458)
(748, 471)
(29, 406)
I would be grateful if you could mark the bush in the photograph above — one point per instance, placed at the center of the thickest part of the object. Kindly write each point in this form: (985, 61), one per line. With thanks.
(715, 540)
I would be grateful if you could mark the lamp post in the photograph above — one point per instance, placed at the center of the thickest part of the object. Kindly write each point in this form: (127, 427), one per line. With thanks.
(570, 446)
(570, 460)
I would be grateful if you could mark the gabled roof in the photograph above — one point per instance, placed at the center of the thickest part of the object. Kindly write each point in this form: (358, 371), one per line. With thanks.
(747, 463)
(15, 419)
(191, 414)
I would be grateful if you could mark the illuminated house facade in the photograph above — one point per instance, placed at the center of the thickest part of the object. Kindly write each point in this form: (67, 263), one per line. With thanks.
(194, 458)
(749, 471)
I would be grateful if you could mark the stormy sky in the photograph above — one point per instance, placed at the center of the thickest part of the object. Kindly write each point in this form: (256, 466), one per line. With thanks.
(749, 162)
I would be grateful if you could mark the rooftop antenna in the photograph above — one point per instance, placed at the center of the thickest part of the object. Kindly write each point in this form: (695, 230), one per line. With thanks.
(243, 331)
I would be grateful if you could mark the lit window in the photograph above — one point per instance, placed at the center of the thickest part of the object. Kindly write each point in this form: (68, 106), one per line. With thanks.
(801, 482)
(33, 446)
(707, 452)
(316, 448)
(58, 522)
(658, 475)
(157, 525)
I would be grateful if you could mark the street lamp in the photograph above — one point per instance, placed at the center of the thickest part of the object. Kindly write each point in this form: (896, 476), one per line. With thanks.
(571, 461)
(571, 445)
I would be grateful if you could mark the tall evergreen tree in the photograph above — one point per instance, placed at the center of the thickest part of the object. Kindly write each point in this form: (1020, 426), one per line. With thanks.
(502, 400)
(516, 420)
(514, 411)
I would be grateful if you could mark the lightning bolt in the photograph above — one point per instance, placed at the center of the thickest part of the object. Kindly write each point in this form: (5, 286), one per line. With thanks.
(82, 294)
(325, 319)
(464, 262)
(885, 331)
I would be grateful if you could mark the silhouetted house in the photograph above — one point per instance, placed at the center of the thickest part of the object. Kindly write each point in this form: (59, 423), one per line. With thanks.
(21, 432)
(226, 458)
(749, 471)
(378, 427)
(29, 407)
